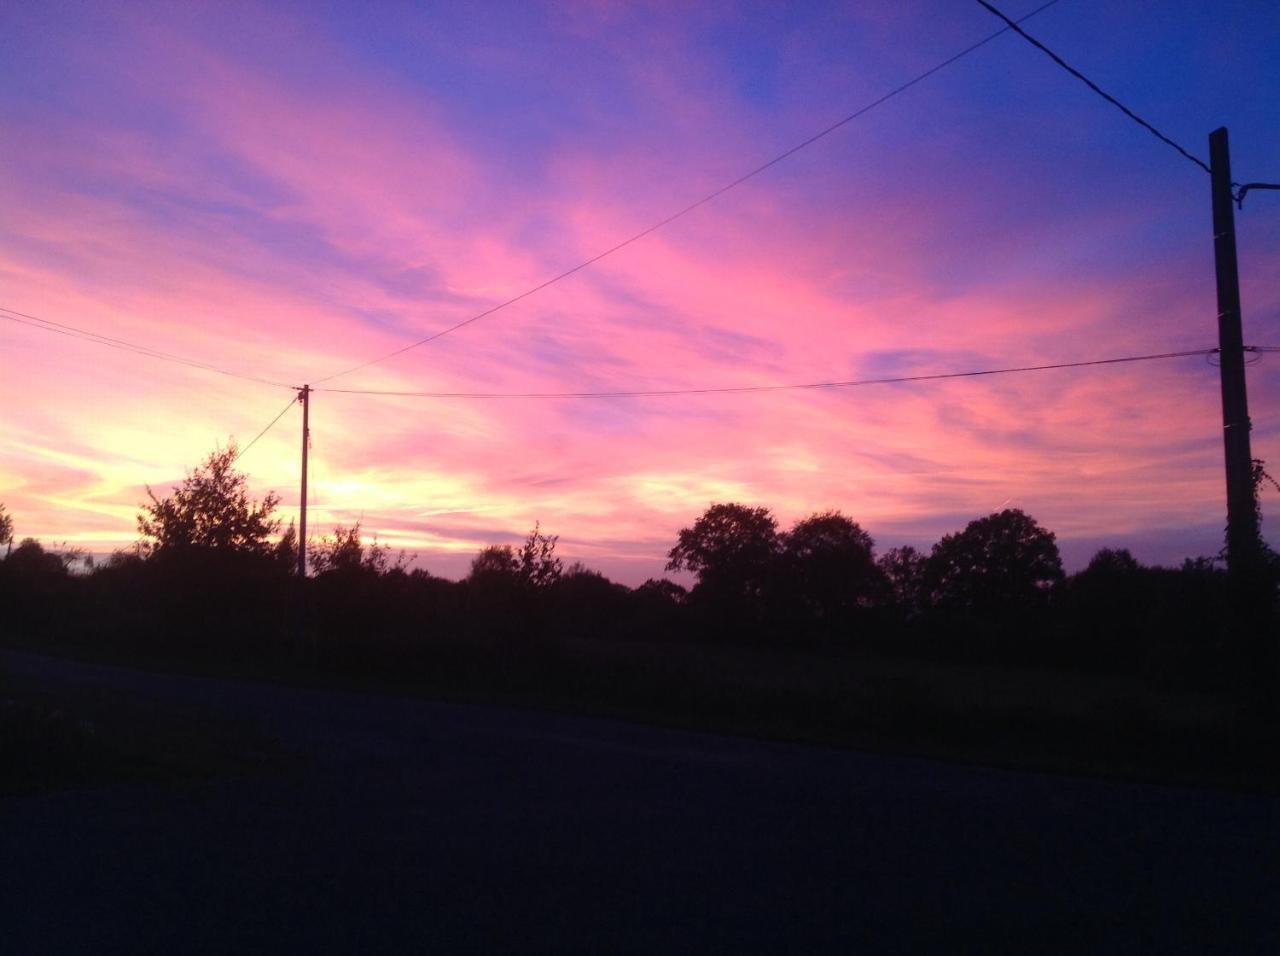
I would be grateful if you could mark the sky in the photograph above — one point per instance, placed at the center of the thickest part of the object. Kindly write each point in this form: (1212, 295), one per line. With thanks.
(286, 191)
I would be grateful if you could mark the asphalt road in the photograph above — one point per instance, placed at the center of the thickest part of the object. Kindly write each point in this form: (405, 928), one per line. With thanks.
(416, 826)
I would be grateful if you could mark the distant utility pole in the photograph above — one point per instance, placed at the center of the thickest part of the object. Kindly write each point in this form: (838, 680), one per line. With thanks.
(304, 396)
(1242, 514)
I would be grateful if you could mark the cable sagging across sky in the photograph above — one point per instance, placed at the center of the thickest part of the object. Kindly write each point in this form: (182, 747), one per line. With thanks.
(271, 424)
(1013, 25)
(689, 208)
(71, 331)
(741, 389)
(1240, 191)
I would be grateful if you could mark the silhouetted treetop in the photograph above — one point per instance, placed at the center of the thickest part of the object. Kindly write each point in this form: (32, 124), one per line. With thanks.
(286, 549)
(731, 548)
(662, 590)
(538, 564)
(494, 560)
(534, 565)
(1002, 559)
(6, 529)
(1112, 561)
(211, 509)
(904, 571)
(30, 560)
(830, 564)
(346, 553)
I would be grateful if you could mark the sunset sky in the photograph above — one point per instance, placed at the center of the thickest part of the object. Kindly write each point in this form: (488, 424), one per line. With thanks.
(288, 190)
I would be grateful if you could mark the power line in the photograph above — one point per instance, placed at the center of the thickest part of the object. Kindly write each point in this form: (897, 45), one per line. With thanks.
(1013, 25)
(1240, 193)
(71, 331)
(245, 450)
(737, 389)
(689, 208)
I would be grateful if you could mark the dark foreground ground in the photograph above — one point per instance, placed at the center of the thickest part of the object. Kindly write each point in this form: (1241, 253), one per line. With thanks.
(326, 821)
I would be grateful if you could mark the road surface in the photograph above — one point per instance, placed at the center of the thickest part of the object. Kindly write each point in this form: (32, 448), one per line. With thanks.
(411, 826)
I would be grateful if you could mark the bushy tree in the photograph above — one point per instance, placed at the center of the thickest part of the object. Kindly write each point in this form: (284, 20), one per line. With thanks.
(6, 529)
(1269, 559)
(285, 551)
(731, 548)
(494, 584)
(534, 565)
(1110, 606)
(830, 565)
(346, 553)
(72, 555)
(1005, 560)
(587, 603)
(30, 560)
(1112, 562)
(493, 561)
(539, 566)
(662, 591)
(904, 572)
(210, 510)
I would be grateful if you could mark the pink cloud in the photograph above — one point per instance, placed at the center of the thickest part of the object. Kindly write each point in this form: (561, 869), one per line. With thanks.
(291, 230)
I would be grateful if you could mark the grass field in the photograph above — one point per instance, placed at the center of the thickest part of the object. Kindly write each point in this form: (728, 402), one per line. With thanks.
(999, 716)
(89, 736)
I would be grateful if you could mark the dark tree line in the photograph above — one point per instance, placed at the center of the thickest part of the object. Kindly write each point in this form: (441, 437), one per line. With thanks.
(824, 571)
(212, 575)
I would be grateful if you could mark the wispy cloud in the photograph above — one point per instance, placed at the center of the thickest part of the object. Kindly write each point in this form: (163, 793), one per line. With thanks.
(288, 193)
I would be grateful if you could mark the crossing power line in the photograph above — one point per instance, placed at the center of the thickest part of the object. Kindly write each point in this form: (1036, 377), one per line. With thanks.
(1011, 24)
(861, 111)
(94, 337)
(740, 389)
(71, 331)
(245, 450)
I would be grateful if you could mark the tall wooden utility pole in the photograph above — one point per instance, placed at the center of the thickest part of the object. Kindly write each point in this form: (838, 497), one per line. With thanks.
(1242, 514)
(304, 396)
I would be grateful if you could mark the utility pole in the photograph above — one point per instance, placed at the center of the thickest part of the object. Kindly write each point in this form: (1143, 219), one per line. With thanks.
(1242, 514)
(304, 396)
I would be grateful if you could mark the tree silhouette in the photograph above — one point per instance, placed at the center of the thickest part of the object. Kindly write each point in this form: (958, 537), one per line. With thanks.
(585, 603)
(662, 591)
(286, 549)
(1001, 561)
(539, 566)
(211, 510)
(346, 553)
(496, 560)
(29, 561)
(732, 549)
(1110, 607)
(904, 571)
(1112, 562)
(1269, 559)
(6, 530)
(830, 565)
(534, 565)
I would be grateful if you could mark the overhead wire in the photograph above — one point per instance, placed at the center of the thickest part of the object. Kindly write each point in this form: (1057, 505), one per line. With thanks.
(739, 389)
(1252, 357)
(1242, 190)
(1239, 190)
(245, 450)
(1013, 25)
(71, 331)
(690, 207)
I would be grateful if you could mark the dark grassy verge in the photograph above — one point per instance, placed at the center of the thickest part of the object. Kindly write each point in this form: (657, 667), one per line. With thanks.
(86, 736)
(1024, 718)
